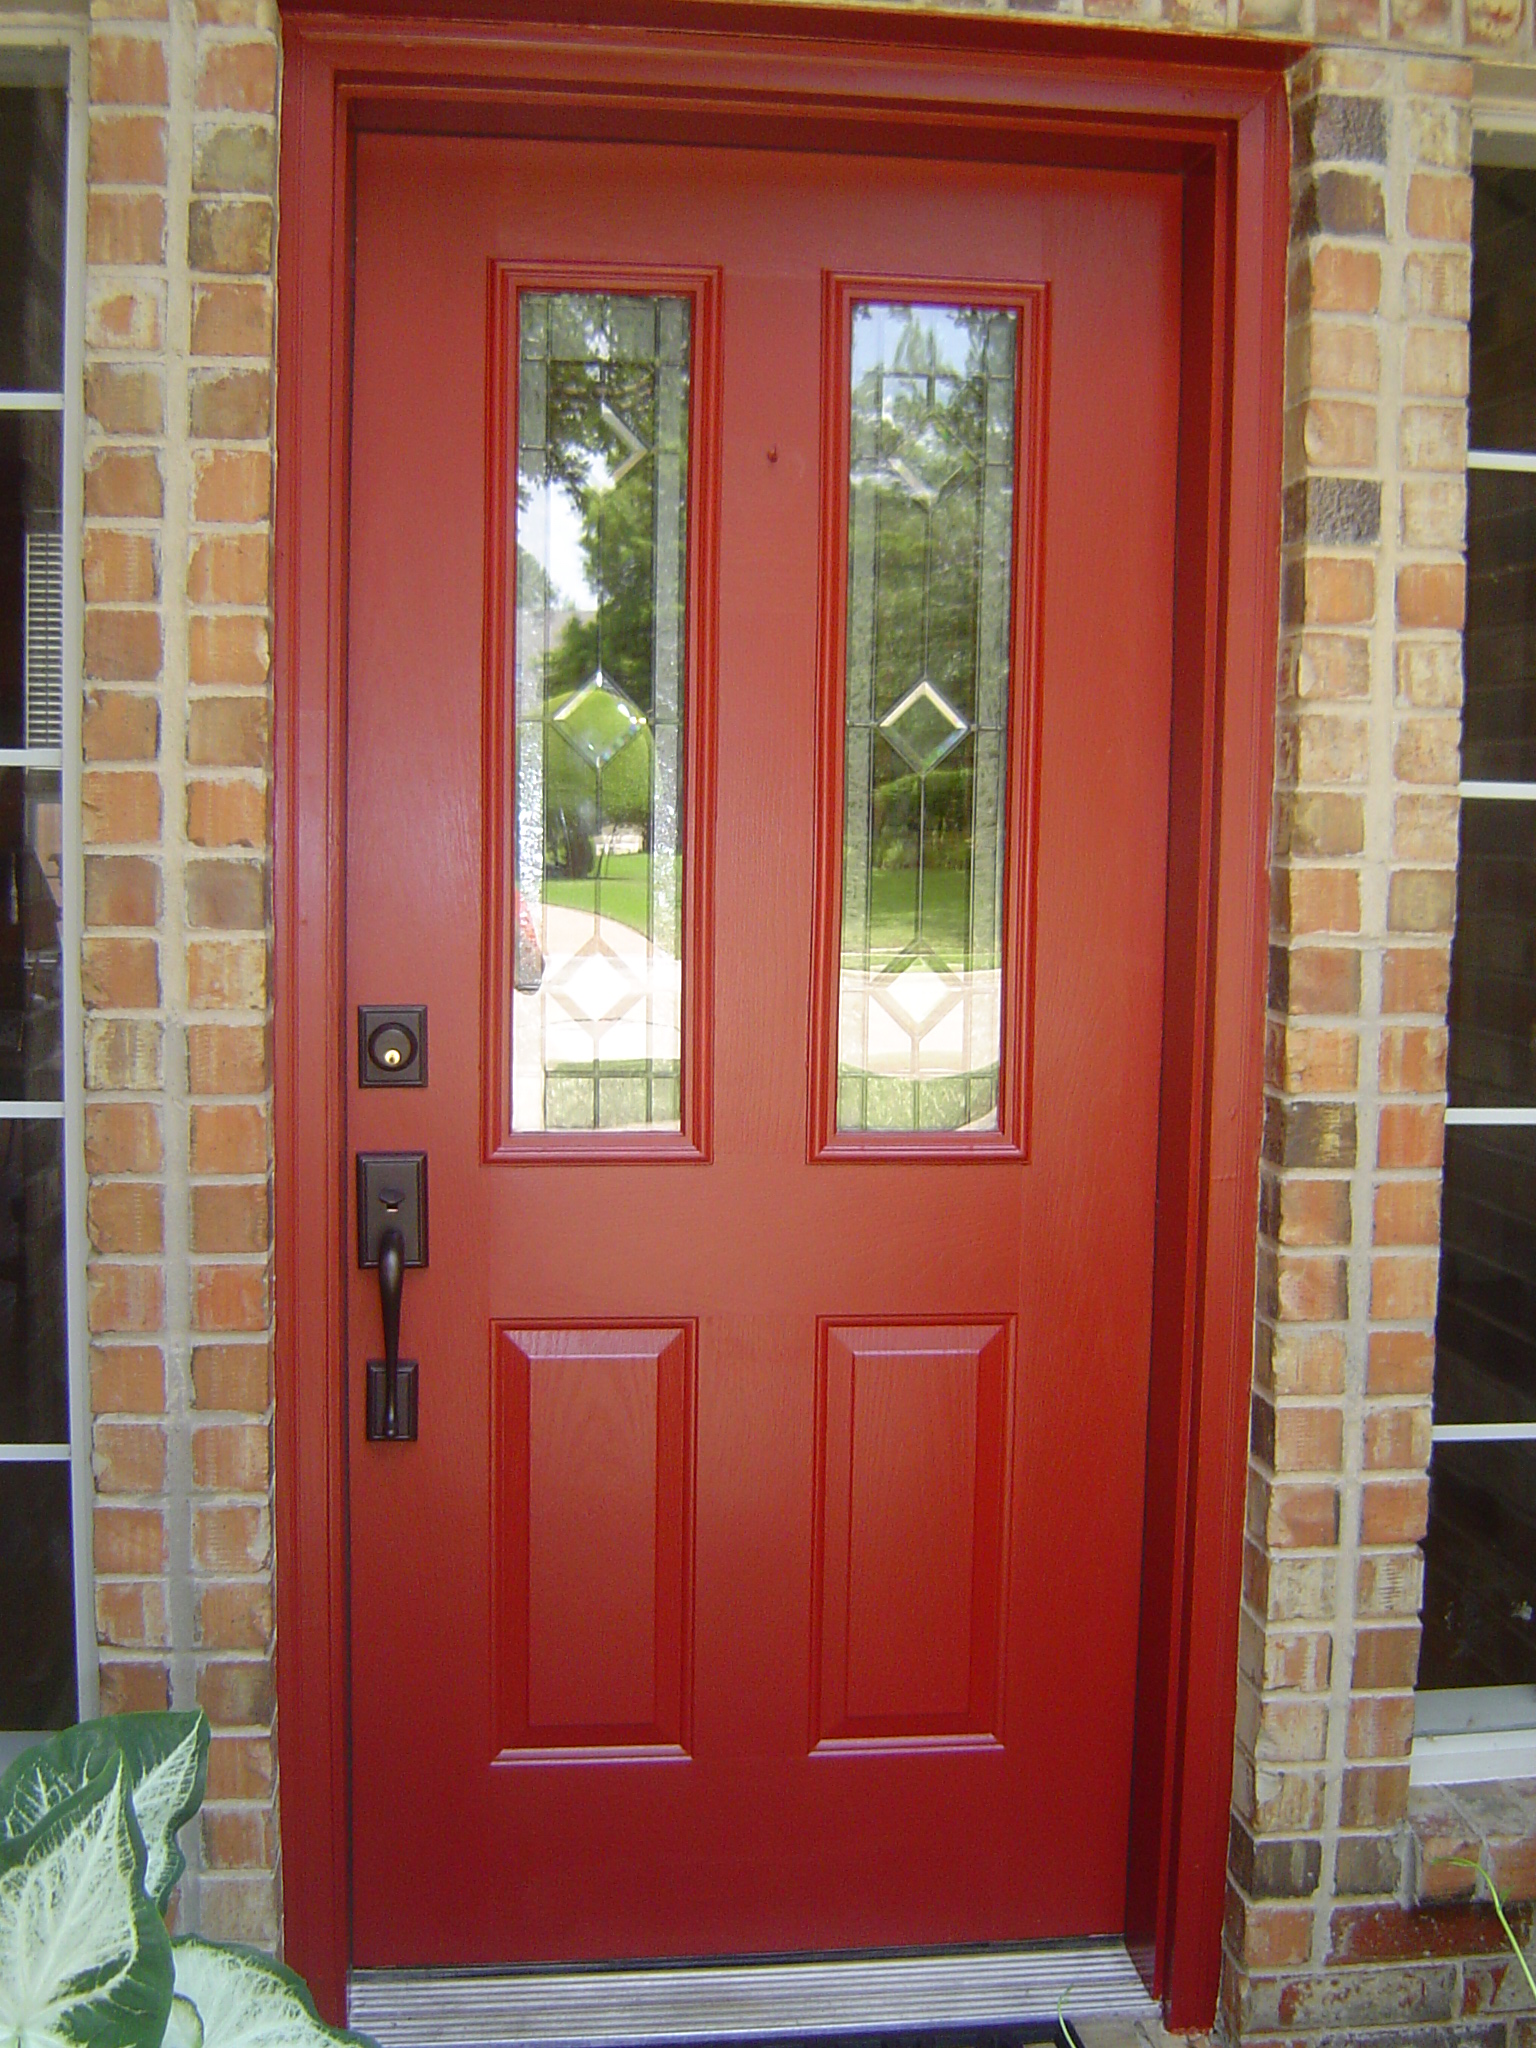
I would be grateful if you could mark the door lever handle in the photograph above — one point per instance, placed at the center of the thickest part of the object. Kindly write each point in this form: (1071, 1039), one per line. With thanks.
(391, 1379)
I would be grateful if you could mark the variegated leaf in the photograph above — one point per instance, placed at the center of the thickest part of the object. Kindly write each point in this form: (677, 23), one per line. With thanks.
(84, 1956)
(245, 2000)
(167, 1759)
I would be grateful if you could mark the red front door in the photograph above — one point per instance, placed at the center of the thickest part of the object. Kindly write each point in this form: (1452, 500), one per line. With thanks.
(764, 1576)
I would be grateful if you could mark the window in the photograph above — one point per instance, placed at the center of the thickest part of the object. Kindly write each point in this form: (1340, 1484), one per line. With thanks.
(46, 1637)
(1477, 1674)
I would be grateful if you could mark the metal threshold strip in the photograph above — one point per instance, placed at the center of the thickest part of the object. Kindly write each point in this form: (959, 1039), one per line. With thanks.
(553, 2008)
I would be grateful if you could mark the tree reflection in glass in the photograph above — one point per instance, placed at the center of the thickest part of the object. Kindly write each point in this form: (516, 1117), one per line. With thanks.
(601, 578)
(930, 577)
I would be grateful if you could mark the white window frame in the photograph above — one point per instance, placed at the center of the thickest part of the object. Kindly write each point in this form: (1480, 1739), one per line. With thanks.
(46, 35)
(1477, 1734)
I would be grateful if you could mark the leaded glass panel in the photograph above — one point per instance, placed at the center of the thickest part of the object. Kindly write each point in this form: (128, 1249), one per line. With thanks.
(930, 582)
(602, 548)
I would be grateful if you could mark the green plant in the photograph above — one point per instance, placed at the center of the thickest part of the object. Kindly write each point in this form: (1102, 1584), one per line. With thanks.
(88, 1862)
(1466, 1863)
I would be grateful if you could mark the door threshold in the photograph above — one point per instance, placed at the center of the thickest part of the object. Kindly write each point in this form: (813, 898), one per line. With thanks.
(561, 2008)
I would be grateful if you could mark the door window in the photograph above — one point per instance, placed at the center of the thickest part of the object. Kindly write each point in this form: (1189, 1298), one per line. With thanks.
(601, 644)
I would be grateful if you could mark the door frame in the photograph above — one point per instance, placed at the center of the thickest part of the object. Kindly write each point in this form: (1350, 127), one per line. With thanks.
(1212, 111)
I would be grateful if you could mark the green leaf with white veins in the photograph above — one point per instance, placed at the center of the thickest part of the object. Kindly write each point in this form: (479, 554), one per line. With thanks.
(167, 1759)
(85, 1961)
(245, 2000)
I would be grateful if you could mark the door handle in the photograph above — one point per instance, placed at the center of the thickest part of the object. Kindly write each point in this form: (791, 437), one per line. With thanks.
(397, 1380)
(391, 1235)
(391, 1379)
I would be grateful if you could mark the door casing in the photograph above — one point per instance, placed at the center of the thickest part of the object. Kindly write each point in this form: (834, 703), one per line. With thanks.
(1213, 113)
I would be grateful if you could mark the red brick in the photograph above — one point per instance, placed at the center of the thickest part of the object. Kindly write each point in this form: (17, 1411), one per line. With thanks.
(231, 1537)
(1394, 1511)
(129, 70)
(241, 1767)
(120, 974)
(122, 647)
(127, 1379)
(1410, 1134)
(1386, 1659)
(128, 1457)
(125, 227)
(118, 567)
(1432, 594)
(228, 1059)
(228, 568)
(126, 149)
(134, 1688)
(238, 78)
(121, 889)
(233, 484)
(119, 725)
(125, 1216)
(1407, 1212)
(231, 1298)
(1403, 1288)
(1388, 1934)
(122, 1137)
(125, 1298)
(237, 1693)
(1400, 1362)
(234, 651)
(124, 483)
(120, 808)
(129, 1540)
(235, 1614)
(236, 1378)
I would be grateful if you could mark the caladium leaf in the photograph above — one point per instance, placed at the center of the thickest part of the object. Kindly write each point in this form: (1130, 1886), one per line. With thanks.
(85, 1961)
(167, 1761)
(184, 2028)
(245, 2000)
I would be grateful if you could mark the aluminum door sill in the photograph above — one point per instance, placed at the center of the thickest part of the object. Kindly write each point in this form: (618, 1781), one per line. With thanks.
(560, 2008)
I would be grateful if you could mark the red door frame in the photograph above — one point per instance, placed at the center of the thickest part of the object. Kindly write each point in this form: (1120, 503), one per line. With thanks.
(1210, 111)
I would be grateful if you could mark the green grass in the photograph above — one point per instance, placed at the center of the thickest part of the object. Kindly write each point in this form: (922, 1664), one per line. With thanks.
(622, 890)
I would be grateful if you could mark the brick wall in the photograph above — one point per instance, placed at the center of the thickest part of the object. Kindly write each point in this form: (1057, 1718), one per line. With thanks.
(179, 403)
(1363, 902)
(177, 546)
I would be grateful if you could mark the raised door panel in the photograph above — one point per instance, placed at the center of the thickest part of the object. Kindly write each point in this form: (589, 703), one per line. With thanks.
(910, 1513)
(592, 1536)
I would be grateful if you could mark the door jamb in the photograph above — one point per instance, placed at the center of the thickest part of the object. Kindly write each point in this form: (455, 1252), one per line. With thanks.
(1211, 110)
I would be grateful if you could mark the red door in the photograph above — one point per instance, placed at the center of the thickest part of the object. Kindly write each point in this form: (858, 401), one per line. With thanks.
(757, 764)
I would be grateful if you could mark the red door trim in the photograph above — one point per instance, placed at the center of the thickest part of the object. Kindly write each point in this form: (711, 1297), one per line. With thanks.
(1209, 110)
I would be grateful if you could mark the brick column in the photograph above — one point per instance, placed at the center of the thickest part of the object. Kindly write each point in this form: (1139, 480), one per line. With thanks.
(1318, 1939)
(180, 245)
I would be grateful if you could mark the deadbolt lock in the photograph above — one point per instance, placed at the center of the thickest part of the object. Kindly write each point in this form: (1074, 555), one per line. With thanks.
(392, 1045)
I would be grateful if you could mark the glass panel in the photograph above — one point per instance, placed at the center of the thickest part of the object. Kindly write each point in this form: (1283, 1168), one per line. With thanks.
(37, 1598)
(930, 583)
(1480, 1567)
(34, 1398)
(1485, 1336)
(1499, 722)
(1503, 402)
(602, 531)
(1493, 957)
(31, 581)
(32, 130)
(31, 949)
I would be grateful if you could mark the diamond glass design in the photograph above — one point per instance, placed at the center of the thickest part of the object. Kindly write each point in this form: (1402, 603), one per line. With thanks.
(923, 728)
(598, 721)
(600, 663)
(932, 445)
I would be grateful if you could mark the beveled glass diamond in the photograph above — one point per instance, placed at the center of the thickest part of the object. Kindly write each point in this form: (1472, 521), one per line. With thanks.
(915, 994)
(598, 720)
(923, 727)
